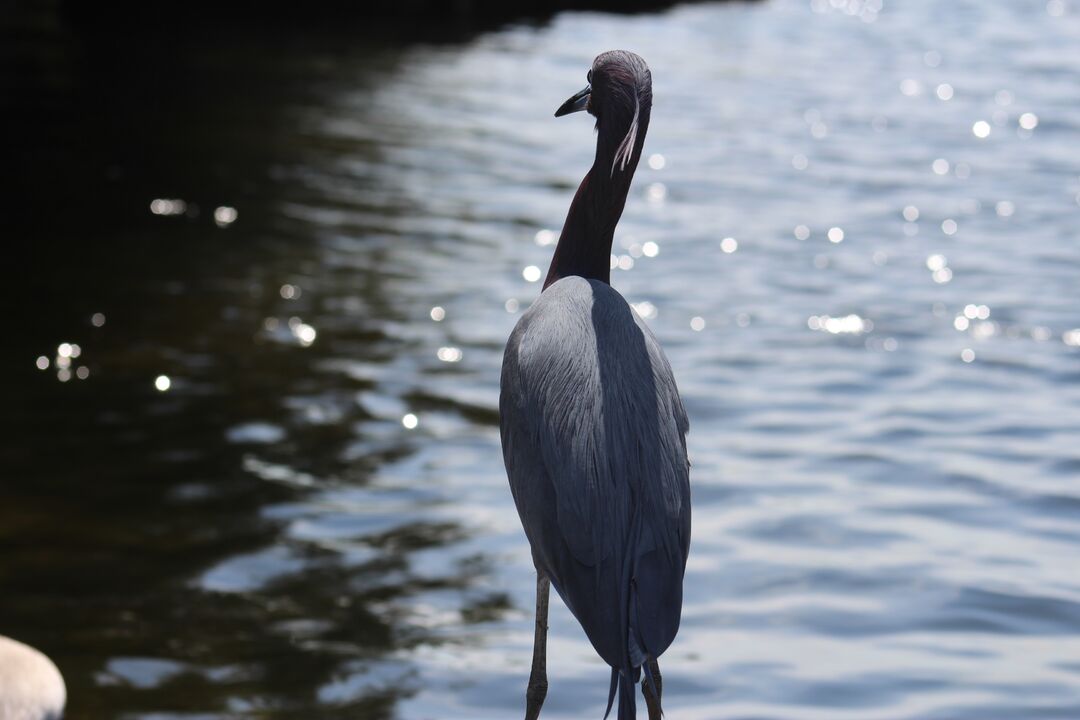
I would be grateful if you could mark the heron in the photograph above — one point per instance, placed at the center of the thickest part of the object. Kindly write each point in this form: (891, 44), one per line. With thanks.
(593, 428)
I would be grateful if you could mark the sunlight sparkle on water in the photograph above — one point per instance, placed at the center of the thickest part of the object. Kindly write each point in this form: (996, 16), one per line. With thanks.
(224, 216)
(531, 273)
(437, 313)
(801, 232)
(42, 362)
(410, 421)
(847, 325)
(97, 319)
(836, 235)
(650, 249)
(1004, 208)
(645, 309)
(656, 192)
(936, 262)
(162, 383)
(544, 238)
(729, 245)
(948, 226)
(697, 323)
(967, 355)
(981, 129)
(940, 166)
(984, 330)
(1071, 337)
(449, 354)
(866, 11)
(289, 292)
(944, 91)
(304, 333)
(165, 206)
(512, 305)
(657, 161)
(1029, 121)
(911, 213)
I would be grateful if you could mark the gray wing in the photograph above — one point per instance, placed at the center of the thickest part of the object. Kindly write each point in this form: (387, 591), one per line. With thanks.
(593, 435)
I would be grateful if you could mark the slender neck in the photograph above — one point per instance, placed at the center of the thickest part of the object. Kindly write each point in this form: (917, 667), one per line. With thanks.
(584, 247)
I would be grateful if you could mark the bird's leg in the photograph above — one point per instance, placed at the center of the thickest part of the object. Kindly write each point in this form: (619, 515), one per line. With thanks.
(652, 694)
(538, 685)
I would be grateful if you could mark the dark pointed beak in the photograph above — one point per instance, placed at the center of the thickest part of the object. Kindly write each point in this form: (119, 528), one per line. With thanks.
(578, 101)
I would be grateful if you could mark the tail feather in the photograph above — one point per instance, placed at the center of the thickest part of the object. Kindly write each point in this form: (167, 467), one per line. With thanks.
(627, 698)
(611, 691)
(652, 681)
(627, 694)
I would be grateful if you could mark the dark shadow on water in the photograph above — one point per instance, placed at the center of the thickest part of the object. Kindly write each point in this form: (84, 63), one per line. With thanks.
(117, 498)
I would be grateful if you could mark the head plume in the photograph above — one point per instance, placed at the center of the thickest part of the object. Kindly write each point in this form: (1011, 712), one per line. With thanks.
(621, 101)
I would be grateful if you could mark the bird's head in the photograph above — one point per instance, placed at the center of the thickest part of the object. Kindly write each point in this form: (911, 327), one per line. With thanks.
(619, 95)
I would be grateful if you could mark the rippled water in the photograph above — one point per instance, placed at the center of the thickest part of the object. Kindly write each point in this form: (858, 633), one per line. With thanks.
(854, 233)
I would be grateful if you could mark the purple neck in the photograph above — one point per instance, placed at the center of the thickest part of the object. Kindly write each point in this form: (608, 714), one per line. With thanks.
(584, 247)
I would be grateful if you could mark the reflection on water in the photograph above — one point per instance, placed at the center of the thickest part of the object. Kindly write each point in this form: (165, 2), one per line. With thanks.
(251, 461)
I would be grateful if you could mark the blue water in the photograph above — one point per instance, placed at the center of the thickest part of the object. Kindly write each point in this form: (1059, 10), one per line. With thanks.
(854, 232)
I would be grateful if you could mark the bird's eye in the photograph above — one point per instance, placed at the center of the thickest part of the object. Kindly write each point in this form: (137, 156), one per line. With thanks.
(588, 77)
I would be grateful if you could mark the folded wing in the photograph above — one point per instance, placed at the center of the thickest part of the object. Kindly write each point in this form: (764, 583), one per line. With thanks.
(593, 435)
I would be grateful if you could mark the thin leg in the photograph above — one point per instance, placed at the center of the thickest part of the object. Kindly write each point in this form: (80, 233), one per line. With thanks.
(652, 699)
(538, 685)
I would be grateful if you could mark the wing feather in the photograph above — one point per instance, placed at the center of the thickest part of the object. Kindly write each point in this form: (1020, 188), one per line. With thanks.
(593, 437)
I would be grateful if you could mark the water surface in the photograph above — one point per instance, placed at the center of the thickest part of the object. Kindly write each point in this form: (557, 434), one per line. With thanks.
(853, 231)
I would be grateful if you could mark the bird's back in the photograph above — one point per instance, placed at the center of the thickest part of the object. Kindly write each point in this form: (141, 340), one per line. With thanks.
(593, 437)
